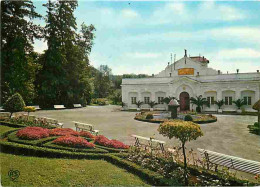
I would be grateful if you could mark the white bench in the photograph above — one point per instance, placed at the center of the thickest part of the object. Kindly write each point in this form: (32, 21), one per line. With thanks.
(59, 106)
(149, 141)
(232, 162)
(53, 122)
(5, 114)
(77, 105)
(160, 109)
(84, 126)
(37, 107)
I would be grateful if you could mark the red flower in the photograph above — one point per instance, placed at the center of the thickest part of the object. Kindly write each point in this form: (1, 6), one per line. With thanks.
(102, 140)
(33, 133)
(86, 134)
(73, 141)
(63, 132)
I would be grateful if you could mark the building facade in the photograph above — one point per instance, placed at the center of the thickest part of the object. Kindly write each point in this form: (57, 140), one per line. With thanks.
(191, 77)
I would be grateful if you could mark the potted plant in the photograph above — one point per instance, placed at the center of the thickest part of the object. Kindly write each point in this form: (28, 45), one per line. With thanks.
(199, 101)
(152, 104)
(138, 104)
(239, 103)
(220, 103)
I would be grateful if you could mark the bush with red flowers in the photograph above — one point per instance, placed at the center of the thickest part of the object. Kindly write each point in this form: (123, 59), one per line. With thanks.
(63, 132)
(33, 133)
(102, 140)
(73, 141)
(86, 134)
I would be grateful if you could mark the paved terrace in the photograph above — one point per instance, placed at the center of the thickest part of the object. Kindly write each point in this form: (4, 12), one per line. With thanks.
(229, 135)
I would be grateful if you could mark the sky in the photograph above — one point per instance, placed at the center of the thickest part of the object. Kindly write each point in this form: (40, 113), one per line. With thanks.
(139, 36)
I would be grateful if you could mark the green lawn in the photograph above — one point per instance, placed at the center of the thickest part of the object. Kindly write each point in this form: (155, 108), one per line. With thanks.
(4, 129)
(36, 171)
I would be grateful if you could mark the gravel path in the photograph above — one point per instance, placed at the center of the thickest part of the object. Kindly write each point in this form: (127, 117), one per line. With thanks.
(229, 135)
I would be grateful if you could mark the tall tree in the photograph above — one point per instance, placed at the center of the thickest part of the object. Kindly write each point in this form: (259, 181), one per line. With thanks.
(64, 78)
(18, 60)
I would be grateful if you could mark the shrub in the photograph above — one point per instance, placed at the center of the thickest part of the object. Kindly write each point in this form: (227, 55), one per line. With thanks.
(256, 124)
(100, 101)
(29, 109)
(86, 134)
(15, 103)
(149, 116)
(184, 131)
(73, 141)
(188, 118)
(32, 133)
(63, 132)
(102, 140)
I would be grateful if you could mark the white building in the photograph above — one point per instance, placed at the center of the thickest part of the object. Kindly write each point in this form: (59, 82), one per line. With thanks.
(190, 77)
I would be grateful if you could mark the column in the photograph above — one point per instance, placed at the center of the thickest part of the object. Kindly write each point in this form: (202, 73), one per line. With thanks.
(219, 95)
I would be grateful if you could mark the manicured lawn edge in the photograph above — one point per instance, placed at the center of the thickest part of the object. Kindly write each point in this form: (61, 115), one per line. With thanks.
(111, 150)
(9, 124)
(13, 138)
(151, 177)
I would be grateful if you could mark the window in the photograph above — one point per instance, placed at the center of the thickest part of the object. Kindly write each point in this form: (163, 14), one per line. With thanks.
(146, 100)
(133, 100)
(211, 100)
(160, 100)
(228, 100)
(248, 100)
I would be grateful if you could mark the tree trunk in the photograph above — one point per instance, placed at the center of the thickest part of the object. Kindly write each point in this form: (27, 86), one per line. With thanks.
(185, 165)
(11, 115)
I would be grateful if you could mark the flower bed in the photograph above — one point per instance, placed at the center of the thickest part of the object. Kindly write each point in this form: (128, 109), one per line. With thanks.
(32, 133)
(86, 134)
(63, 132)
(73, 141)
(197, 118)
(102, 140)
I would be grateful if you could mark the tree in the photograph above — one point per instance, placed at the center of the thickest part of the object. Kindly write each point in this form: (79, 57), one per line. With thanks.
(102, 82)
(239, 103)
(139, 103)
(29, 109)
(152, 104)
(15, 103)
(199, 101)
(166, 100)
(18, 32)
(220, 103)
(184, 131)
(116, 96)
(65, 78)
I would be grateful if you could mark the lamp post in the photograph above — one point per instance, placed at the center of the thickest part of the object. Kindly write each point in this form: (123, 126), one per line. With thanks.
(173, 105)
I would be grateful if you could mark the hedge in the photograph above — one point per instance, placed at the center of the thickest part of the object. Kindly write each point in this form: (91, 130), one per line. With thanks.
(110, 149)
(6, 123)
(13, 138)
(86, 150)
(159, 121)
(151, 177)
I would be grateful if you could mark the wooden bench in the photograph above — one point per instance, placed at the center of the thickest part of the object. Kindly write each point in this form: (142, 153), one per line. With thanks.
(77, 105)
(232, 162)
(59, 106)
(53, 122)
(84, 126)
(5, 114)
(149, 141)
(37, 107)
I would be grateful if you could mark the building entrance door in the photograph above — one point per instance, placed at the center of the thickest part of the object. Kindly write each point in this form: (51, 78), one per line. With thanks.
(184, 101)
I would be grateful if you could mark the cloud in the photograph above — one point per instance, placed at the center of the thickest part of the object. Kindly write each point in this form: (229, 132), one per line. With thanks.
(128, 13)
(240, 53)
(143, 55)
(179, 13)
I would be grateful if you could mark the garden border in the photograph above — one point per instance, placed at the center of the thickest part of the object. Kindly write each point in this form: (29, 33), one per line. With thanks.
(154, 121)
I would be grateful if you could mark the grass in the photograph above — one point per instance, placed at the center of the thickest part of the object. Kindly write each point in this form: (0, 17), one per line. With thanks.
(36, 171)
(4, 129)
